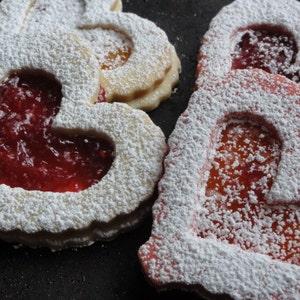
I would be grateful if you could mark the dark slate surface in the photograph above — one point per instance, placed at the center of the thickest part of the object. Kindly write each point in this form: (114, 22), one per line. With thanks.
(111, 270)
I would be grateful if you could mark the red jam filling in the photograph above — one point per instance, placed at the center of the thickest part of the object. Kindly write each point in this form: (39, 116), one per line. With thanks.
(35, 157)
(235, 210)
(101, 95)
(268, 49)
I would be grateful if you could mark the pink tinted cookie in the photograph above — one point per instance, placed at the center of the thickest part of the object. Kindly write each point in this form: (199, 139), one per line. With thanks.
(217, 230)
(227, 216)
(252, 34)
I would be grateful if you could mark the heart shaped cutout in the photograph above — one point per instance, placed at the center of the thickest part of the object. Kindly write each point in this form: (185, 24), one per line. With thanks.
(33, 155)
(252, 35)
(120, 199)
(217, 227)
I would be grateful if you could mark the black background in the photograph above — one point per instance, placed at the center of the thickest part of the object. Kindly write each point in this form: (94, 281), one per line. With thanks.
(111, 270)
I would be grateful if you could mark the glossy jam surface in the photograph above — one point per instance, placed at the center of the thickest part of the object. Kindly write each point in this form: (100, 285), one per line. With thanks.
(235, 210)
(268, 49)
(35, 157)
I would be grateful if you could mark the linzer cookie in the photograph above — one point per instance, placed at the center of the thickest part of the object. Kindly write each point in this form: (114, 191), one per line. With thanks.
(252, 34)
(236, 145)
(227, 216)
(72, 170)
(146, 54)
(138, 63)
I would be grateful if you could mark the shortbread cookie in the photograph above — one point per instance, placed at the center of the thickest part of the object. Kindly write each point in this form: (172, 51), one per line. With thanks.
(139, 64)
(151, 58)
(233, 150)
(252, 34)
(131, 148)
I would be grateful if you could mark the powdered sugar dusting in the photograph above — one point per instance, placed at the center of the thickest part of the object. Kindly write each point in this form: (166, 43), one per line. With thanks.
(266, 48)
(119, 200)
(16, 13)
(150, 57)
(12, 14)
(234, 210)
(139, 150)
(96, 6)
(131, 46)
(101, 41)
(227, 216)
(187, 237)
(228, 26)
(59, 54)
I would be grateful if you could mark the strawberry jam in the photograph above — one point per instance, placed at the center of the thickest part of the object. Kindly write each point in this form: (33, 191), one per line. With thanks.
(35, 157)
(235, 210)
(268, 49)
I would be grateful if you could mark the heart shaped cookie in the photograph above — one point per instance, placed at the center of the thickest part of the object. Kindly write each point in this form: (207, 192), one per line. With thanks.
(214, 231)
(252, 34)
(128, 47)
(108, 206)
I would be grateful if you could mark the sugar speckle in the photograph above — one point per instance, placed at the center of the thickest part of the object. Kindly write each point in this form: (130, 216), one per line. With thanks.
(211, 235)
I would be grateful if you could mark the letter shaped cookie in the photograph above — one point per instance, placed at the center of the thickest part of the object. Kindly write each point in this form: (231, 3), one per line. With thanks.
(231, 242)
(116, 202)
(258, 35)
(227, 217)
(139, 65)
